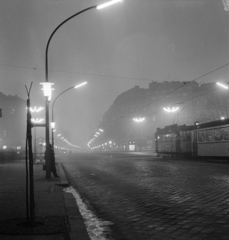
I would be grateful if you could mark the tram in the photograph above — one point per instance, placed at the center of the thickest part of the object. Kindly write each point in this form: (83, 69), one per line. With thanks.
(174, 140)
(209, 139)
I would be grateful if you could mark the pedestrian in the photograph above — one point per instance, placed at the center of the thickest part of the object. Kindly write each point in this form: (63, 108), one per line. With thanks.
(52, 161)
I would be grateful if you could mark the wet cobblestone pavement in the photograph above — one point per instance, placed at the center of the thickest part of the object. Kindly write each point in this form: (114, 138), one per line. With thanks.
(150, 198)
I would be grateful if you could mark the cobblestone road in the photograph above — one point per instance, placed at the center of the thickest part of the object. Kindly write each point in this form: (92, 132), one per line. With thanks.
(155, 198)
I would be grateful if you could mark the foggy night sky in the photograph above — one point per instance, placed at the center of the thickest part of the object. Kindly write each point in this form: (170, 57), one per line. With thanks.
(114, 49)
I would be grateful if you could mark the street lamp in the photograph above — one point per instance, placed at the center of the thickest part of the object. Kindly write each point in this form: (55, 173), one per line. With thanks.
(100, 6)
(222, 85)
(139, 120)
(35, 109)
(171, 110)
(47, 89)
(53, 121)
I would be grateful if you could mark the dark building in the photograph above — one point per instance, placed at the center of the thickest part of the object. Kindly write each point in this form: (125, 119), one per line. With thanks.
(12, 122)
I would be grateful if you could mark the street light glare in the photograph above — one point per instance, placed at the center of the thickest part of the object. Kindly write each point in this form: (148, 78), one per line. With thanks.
(107, 4)
(35, 109)
(52, 125)
(47, 88)
(139, 119)
(171, 110)
(222, 85)
(80, 85)
(37, 120)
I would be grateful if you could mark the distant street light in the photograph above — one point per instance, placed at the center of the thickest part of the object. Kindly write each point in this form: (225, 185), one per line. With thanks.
(53, 121)
(35, 109)
(171, 110)
(37, 120)
(139, 120)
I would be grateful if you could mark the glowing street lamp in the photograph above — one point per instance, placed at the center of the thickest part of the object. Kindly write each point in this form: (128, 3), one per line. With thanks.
(47, 89)
(37, 120)
(140, 119)
(222, 85)
(53, 125)
(107, 4)
(100, 6)
(171, 110)
(35, 109)
(79, 85)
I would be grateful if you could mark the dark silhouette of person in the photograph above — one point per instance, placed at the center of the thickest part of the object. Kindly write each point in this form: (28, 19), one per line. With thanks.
(52, 161)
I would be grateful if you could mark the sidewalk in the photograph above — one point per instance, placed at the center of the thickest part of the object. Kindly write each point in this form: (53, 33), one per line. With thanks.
(54, 208)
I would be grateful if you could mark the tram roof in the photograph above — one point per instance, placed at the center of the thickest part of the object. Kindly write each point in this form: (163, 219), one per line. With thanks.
(175, 128)
(213, 123)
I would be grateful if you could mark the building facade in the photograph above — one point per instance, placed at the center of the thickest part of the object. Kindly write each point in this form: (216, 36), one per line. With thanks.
(162, 104)
(12, 122)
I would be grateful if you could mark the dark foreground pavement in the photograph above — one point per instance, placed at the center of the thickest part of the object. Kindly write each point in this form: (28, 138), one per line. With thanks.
(154, 198)
(52, 204)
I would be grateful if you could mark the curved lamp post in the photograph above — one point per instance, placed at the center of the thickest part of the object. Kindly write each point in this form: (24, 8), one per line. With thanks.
(101, 6)
(53, 121)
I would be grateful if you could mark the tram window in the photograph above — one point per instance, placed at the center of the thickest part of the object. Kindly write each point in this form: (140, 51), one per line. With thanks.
(225, 133)
(168, 137)
(218, 136)
(201, 136)
(209, 135)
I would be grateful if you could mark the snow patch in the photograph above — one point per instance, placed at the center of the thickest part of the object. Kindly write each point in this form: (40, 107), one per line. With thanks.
(95, 227)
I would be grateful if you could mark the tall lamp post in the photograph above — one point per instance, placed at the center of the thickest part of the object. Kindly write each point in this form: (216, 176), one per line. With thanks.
(47, 89)
(139, 121)
(53, 120)
(101, 6)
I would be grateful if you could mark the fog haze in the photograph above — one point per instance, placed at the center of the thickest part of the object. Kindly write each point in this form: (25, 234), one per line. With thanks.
(114, 49)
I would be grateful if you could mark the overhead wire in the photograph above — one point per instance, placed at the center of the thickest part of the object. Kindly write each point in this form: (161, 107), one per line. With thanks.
(105, 75)
(168, 93)
(185, 83)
